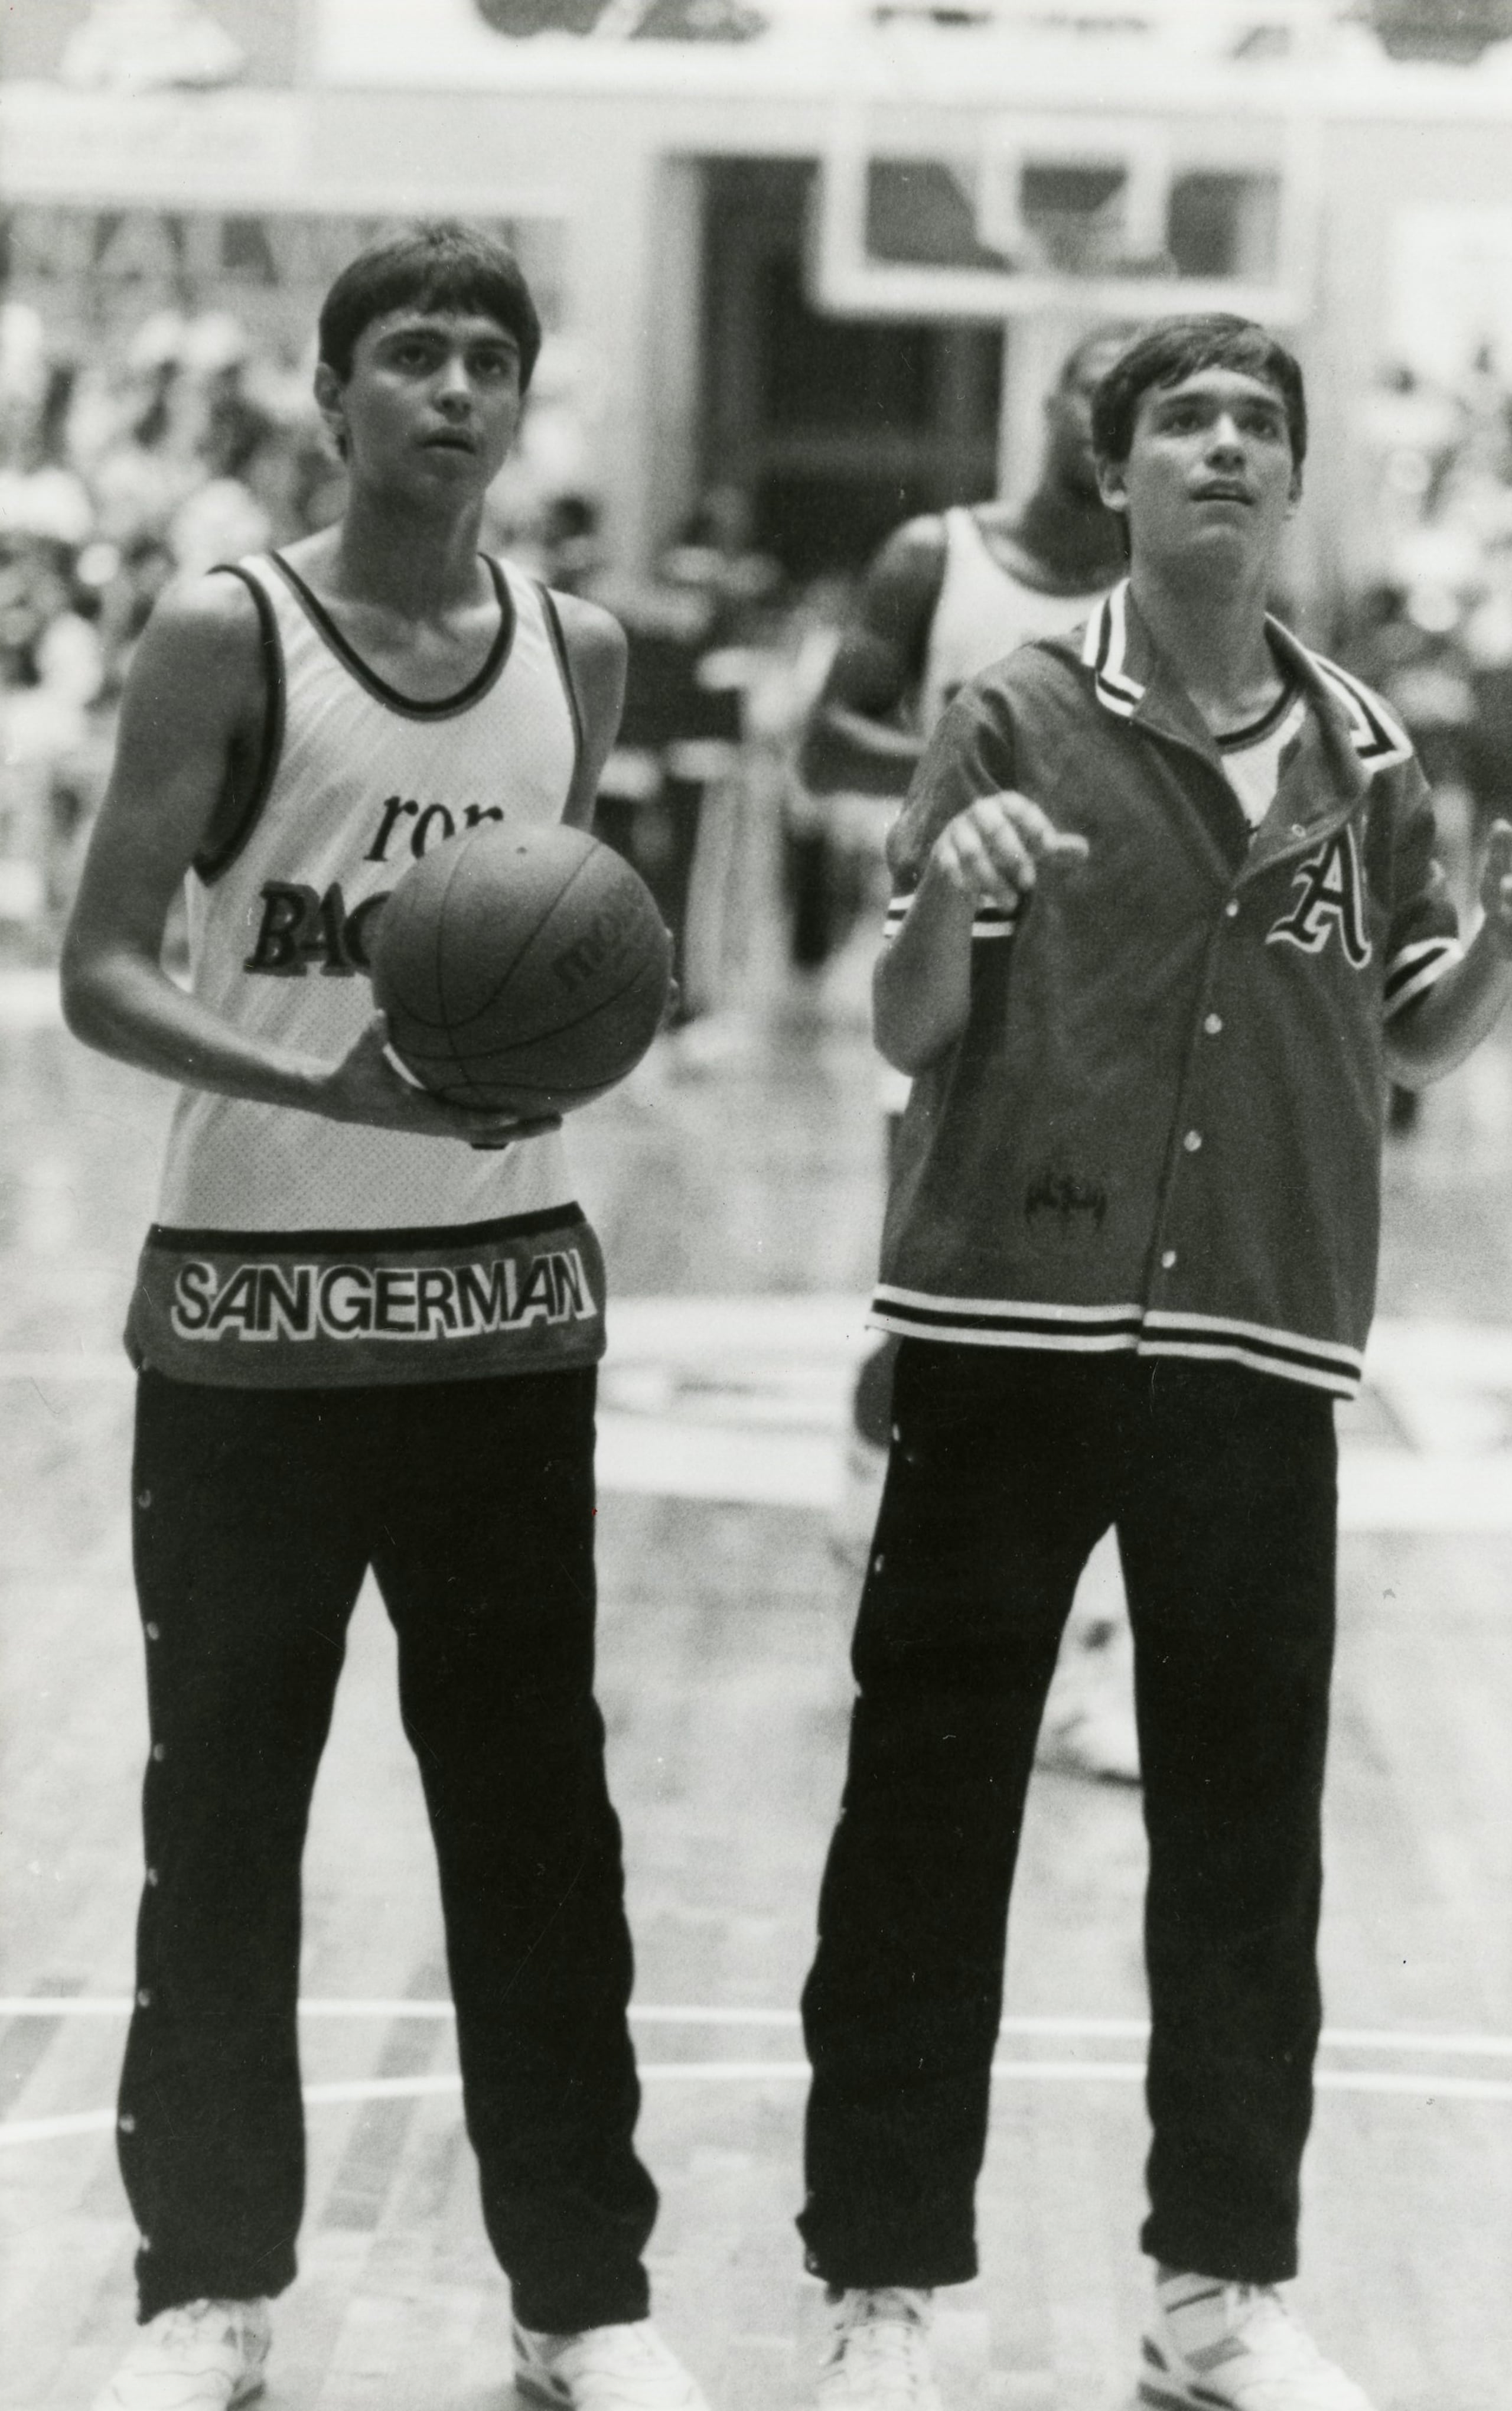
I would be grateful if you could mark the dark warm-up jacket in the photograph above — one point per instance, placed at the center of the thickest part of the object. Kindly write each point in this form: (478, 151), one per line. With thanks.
(1160, 1128)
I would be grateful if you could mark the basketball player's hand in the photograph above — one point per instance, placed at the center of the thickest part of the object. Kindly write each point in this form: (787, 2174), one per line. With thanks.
(993, 851)
(365, 1086)
(1496, 885)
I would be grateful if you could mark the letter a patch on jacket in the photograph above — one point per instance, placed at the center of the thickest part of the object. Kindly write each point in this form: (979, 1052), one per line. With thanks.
(1333, 898)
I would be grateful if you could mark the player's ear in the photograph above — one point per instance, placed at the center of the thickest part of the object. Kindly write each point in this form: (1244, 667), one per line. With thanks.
(1113, 484)
(328, 392)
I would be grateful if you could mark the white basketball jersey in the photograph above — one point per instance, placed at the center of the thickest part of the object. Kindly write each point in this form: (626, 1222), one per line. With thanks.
(983, 611)
(290, 1249)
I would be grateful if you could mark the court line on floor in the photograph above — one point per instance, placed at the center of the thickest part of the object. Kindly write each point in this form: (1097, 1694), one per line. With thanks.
(1429, 2088)
(694, 1453)
(653, 2013)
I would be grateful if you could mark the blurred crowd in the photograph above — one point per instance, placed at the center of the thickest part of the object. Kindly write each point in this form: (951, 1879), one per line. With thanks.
(186, 451)
(191, 445)
(186, 445)
(1433, 630)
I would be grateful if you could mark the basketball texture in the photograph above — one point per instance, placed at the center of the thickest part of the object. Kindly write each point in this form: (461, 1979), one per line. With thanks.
(522, 969)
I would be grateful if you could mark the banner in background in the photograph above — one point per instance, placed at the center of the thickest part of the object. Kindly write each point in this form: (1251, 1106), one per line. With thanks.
(629, 20)
(97, 273)
(171, 45)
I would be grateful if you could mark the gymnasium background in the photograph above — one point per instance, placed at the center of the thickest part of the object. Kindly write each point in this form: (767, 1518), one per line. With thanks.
(806, 266)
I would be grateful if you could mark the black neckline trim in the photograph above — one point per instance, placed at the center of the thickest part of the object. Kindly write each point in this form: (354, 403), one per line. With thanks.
(1233, 740)
(410, 706)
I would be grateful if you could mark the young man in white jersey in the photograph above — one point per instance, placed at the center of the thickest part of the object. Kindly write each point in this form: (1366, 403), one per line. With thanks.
(367, 1325)
(1166, 915)
(947, 595)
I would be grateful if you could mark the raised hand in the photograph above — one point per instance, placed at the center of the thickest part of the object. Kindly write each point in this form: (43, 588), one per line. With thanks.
(992, 852)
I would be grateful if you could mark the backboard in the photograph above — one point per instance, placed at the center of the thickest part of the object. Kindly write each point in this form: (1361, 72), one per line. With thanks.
(932, 213)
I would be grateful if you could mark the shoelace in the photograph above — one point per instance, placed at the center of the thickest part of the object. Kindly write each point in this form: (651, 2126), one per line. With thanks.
(882, 2337)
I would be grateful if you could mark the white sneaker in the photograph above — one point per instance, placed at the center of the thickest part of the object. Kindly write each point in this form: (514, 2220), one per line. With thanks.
(879, 2359)
(625, 2368)
(201, 2356)
(1212, 2347)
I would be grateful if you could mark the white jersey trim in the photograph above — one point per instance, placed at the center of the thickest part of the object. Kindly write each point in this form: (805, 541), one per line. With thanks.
(1377, 739)
(988, 921)
(992, 1322)
(1415, 969)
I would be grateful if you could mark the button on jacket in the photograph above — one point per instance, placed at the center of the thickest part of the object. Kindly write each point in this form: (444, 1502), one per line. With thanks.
(1160, 1128)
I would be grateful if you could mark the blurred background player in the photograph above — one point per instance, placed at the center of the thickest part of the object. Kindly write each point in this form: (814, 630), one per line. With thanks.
(947, 595)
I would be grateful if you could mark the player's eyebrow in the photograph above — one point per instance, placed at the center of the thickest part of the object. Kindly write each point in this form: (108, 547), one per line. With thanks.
(438, 326)
(1170, 399)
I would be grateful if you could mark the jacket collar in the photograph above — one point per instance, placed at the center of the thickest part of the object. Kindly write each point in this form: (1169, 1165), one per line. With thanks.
(1133, 682)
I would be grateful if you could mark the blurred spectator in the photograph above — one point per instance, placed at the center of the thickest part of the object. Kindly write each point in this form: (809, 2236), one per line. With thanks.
(41, 493)
(571, 544)
(190, 449)
(715, 554)
(1435, 633)
(236, 426)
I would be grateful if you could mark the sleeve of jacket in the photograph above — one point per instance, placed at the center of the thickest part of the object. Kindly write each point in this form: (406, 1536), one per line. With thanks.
(970, 754)
(1423, 938)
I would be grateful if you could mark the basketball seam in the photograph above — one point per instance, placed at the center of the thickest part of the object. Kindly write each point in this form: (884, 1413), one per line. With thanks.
(512, 965)
(516, 1084)
(458, 1071)
(411, 1012)
(560, 1028)
(441, 931)
(443, 1022)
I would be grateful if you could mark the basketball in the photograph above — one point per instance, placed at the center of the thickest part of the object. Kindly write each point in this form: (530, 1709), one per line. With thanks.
(521, 969)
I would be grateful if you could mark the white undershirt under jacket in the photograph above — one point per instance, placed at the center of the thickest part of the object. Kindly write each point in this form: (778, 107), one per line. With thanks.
(1252, 756)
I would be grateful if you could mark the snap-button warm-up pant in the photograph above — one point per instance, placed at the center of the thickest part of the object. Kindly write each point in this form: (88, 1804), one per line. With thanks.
(257, 1516)
(1007, 1466)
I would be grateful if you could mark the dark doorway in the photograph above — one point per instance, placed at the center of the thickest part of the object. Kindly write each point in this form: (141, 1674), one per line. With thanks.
(833, 427)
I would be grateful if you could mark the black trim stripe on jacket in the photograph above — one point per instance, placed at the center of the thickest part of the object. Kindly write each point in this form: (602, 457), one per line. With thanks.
(1083, 1331)
(1138, 1141)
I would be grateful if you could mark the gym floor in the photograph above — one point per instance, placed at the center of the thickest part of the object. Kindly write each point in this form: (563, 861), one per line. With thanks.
(737, 1189)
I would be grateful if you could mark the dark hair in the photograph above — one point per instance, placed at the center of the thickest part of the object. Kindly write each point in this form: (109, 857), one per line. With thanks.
(439, 264)
(1176, 348)
(1117, 330)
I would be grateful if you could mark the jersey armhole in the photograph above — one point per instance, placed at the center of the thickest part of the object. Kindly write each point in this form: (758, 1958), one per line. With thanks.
(214, 861)
(558, 646)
